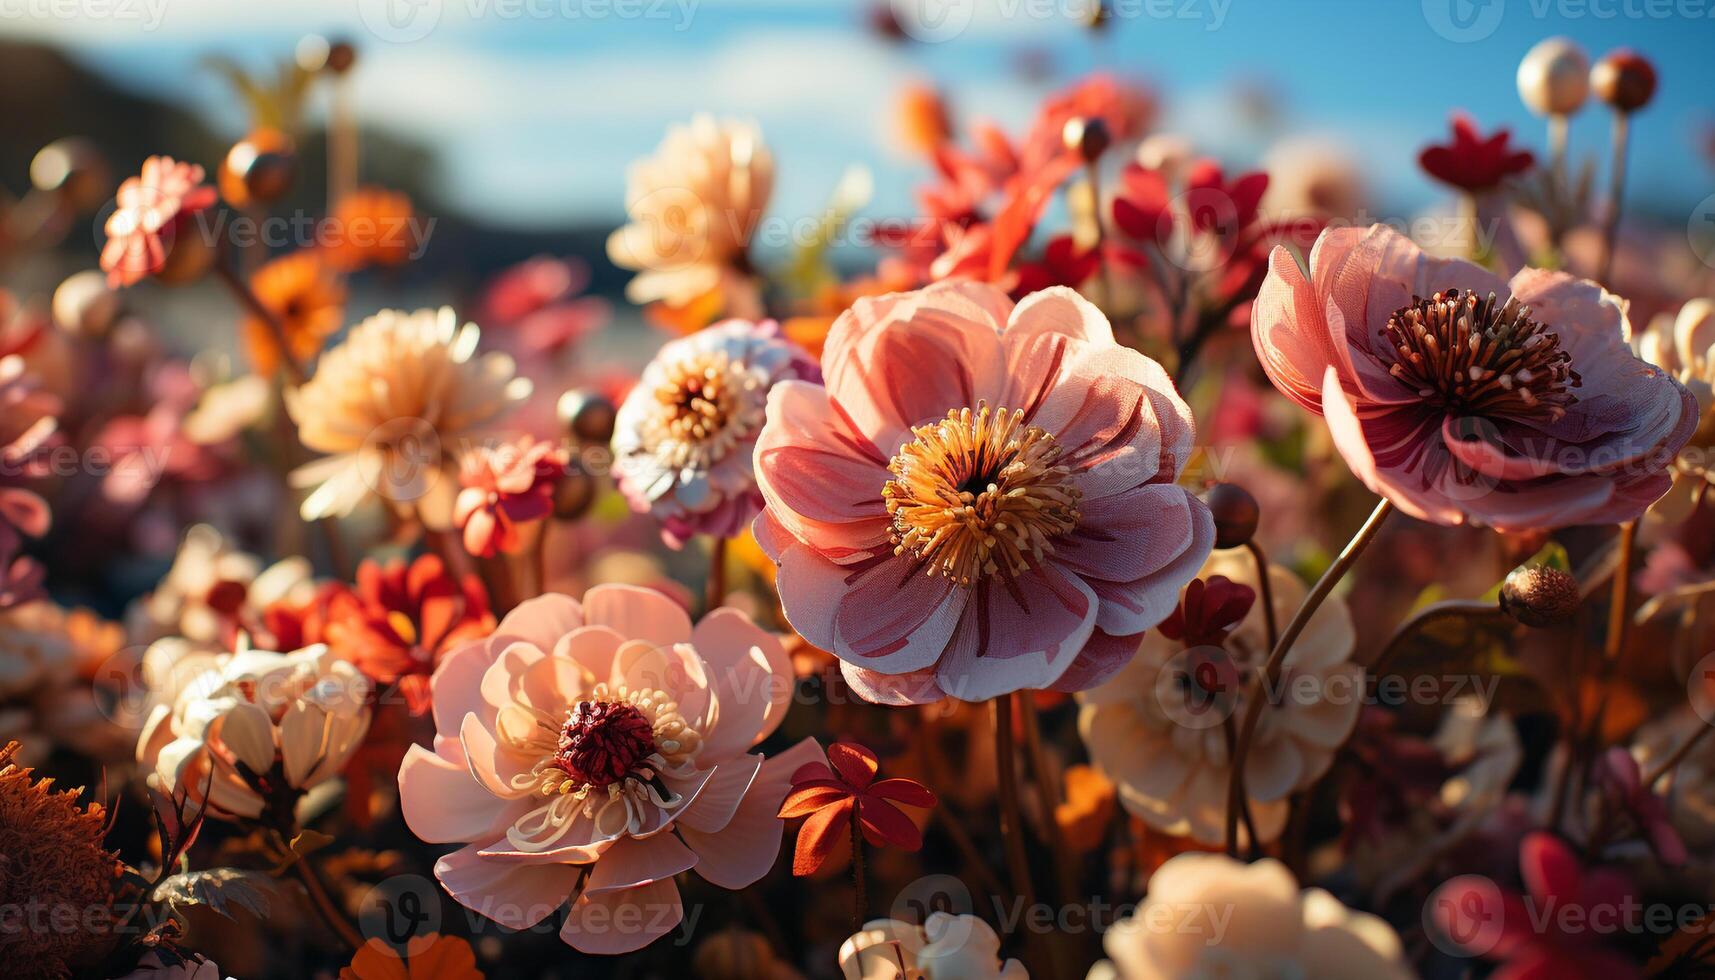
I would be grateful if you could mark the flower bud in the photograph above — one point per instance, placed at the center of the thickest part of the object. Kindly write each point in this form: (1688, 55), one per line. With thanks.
(1089, 138)
(1236, 514)
(1554, 77)
(341, 56)
(74, 169)
(1537, 595)
(1624, 79)
(587, 415)
(574, 494)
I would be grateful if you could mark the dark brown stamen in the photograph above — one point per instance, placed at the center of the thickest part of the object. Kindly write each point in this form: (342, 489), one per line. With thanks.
(1478, 357)
(603, 741)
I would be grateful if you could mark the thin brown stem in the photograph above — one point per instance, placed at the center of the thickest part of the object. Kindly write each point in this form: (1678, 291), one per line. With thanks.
(276, 331)
(1048, 801)
(323, 903)
(1616, 191)
(1469, 608)
(1265, 590)
(1266, 677)
(717, 576)
(860, 889)
(1011, 820)
(1678, 756)
(1619, 618)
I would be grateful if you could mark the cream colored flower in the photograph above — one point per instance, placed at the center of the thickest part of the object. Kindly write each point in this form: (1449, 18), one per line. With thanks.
(1163, 741)
(945, 947)
(389, 405)
(213, 587)
(249, 732)
(1684, 345)
(693, 207)
(1210, 916)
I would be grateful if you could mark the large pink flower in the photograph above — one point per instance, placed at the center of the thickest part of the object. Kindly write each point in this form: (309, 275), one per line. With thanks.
(589, 752)
(982, 499)
(1465, 398)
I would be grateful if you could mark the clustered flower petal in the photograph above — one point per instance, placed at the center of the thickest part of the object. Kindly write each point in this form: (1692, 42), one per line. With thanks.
(1463, 398)
(684, 439)
(982, 499)
(150, 210)
(589, 752)
(388, 406)
(506, 486)
(944, 947)
(831, 798)
(1473, 162)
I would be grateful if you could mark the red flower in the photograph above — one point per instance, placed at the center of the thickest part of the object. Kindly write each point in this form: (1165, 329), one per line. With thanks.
(505, 486)
(1624, 787)
(1544, 933)
(402, 618)
(150, 209)
(1062, 264)
(1208, 611)
(830, 799)
(1473, 162)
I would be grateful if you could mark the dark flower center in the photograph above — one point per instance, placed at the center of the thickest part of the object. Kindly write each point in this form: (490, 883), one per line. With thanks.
(603, 741)
(1479, 357)
(979, 492)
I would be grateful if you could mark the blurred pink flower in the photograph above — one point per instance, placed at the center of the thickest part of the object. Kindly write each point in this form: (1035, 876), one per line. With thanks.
(1545, 932)
(591, 751)
(505, 486)
(1625, 789)
(684, 436)
(537, 300)
(150, 208)
(982, 500)
(1464, 398)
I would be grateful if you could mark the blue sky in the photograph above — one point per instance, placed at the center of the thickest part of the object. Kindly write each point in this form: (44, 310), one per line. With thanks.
(535, 106)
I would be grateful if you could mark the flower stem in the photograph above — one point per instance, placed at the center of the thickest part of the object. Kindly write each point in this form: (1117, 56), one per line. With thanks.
(1616, 190)
(1011, 824)
(1618, 617)
(1678, 756)
(277, 333)
(1048, 802)
(1265, 590)
(1468, 608)
(860, 891)
(1265, 678)
(716, 587)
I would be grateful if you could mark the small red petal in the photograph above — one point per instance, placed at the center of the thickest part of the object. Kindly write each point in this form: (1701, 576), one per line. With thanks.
(885, 824)
(855, 764)
(820, 836)
(805, 800)
(907, 791)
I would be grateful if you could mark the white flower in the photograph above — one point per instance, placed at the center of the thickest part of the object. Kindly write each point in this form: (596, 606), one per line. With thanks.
(211, 585)
(945, 947)
(1683, 345)
(1208, 916)
(684, 439)
(250, 731)
(1166, 750)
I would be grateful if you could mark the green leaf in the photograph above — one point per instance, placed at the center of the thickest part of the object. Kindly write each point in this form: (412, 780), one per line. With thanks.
(220, 890)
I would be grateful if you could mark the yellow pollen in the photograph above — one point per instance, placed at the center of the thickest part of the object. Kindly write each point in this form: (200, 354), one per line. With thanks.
(980, 492)
(709, 404)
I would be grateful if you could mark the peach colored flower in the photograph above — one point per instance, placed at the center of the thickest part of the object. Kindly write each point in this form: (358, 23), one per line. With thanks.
(505, 486)
(388, 406)
(1464, 398)
(1208, 915)
(982, 500)
(150, 210)
(1156, 727)
(684, 437)
(588, 752)
(693, 206)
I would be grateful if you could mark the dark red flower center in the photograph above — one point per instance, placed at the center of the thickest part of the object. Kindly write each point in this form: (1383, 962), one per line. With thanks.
(603, 741)
(1476, 356)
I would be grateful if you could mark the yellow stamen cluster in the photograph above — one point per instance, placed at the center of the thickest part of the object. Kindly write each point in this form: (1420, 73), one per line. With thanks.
(980, 492)
(709, 404)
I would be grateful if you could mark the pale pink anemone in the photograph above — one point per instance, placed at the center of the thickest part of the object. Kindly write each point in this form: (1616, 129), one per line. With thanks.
(1462, 397)
(590, 751)
(982, 499)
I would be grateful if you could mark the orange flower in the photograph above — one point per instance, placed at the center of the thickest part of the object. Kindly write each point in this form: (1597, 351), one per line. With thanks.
(149, 212)
(922, 118)
(430, 957)
(307, 299)
(1089, 805)
(370, 226)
